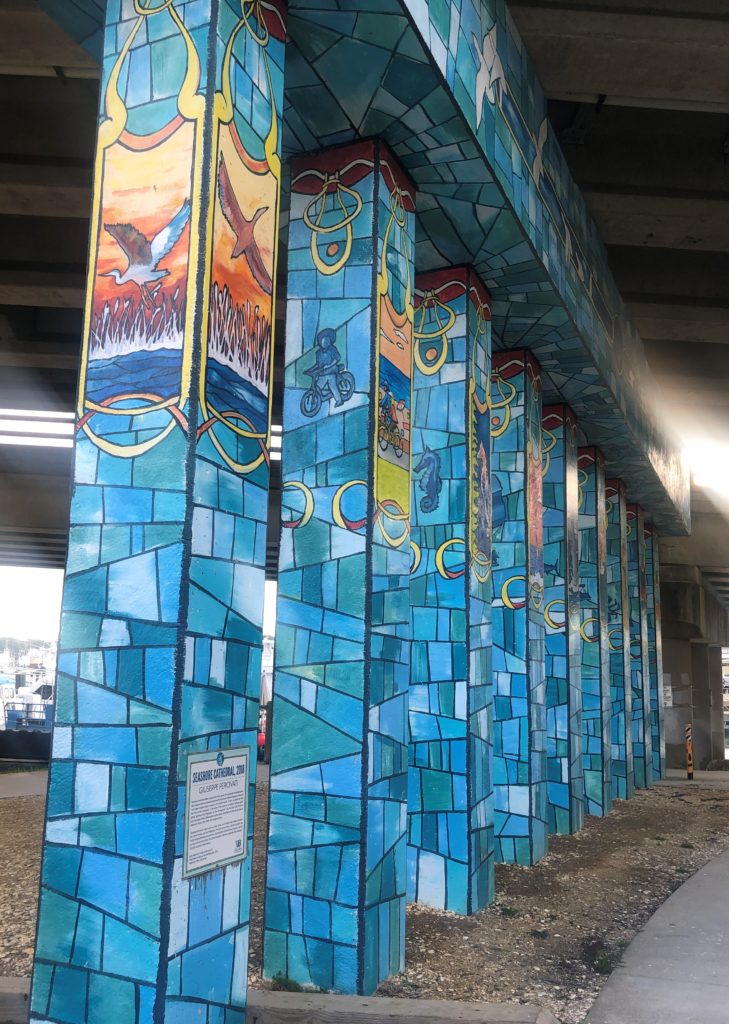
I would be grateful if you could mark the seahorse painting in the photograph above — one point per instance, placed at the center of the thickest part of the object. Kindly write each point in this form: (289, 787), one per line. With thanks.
(430, 482)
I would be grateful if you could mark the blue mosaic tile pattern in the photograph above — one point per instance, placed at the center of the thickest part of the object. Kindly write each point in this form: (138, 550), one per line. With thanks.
(450, 801)
(520, 753)
(639, 665)
(335, 897)
(596, 656)
(161, 628)
(456, 95)
(565, 779)
(655, 654)
(623, 777)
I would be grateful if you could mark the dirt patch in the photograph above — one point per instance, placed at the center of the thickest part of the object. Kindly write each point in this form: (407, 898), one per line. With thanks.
(553, 935)
(21, 834)
(555, 931)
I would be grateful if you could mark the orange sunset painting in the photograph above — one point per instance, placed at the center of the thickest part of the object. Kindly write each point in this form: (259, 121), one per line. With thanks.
(241, 289)
(140, 282)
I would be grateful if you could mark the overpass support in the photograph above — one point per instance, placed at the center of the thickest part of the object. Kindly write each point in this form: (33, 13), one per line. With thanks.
(450, 822)
(159, 655)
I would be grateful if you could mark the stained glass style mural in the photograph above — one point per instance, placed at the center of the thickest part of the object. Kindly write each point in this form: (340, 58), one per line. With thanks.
(655, 654)
(336, 880)
(161, 629)
(563, 695)
(623, 778)
(639, 667)
(451, 88)
(450, 802)
(596, 708)
(520, 753)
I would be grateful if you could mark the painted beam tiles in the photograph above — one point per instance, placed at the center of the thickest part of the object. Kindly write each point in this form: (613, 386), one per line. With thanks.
(639, 664)
(623, 776)
(655, 653)
(594, 633)
(336, 880)
(450, 800)
(520, 754)
(565, 779)
(161, 630)
(467, 118)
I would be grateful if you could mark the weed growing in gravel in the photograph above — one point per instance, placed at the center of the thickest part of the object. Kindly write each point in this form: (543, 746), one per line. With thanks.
(508, 912)
(539, 933)
(603, 959)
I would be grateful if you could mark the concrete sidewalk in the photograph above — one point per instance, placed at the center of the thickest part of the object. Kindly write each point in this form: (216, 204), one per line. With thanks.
(676, 971)
(14, 784)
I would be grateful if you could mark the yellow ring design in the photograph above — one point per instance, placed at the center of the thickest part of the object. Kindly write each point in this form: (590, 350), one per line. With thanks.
(506, 400)
(505, 593)
(585, 635)
(337, 502)
(548, 618)
(440, 565)
(418, 557)
(546, 459)
(316, 227)
(431, 302)
(611, 633)
(308, 503)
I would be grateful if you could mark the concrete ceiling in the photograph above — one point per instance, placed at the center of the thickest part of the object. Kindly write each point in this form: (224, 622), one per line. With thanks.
(639, 94)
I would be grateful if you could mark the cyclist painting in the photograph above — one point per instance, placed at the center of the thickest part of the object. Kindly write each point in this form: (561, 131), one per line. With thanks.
(328, 362)
(329, 379)
(387, 403)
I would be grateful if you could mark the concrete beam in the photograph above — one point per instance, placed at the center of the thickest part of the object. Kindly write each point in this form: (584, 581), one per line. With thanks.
(660, 221)
(32, 44)
(63, 115)
(28, 189)
(679, 321)
(35, 288)
(636, 53)
(34, 355)
(651, 151)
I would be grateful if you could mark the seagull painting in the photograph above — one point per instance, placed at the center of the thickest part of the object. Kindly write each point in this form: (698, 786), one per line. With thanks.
(144, 255)
(491, 78)
(245, 242)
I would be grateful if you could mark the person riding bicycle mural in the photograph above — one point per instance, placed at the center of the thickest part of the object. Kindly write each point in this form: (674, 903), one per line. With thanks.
(328, 364)
(387, 405)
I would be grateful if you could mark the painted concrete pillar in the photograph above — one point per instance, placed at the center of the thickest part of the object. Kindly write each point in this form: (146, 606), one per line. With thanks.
(159, 656)
(336, 879)
(716, 685)
(639, 668)
(623, 778)
(520, 755)
(655, 651)
(701, 699)
(565, 779)
(450, 802)
(594, 633)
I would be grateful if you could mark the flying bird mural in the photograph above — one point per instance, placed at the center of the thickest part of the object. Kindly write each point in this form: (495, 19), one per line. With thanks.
(144, 255)
(243, 229)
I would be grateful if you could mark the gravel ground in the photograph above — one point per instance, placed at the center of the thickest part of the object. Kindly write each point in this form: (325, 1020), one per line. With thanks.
(551, 937)
(21, 833)
(556, 930)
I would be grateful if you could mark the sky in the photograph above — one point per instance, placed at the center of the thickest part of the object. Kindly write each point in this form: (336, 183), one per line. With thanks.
(30, 603)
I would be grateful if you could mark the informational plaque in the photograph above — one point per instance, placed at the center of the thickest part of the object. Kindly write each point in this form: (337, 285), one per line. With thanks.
(216, 815)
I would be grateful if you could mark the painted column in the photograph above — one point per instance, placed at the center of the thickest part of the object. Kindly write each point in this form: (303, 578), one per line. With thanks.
(520, 754)
(623, 779)
(639, 666)
(159, 655)
(655, 651)
(336, 880)
(450, 800)
(565, 779)
(594, 633)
